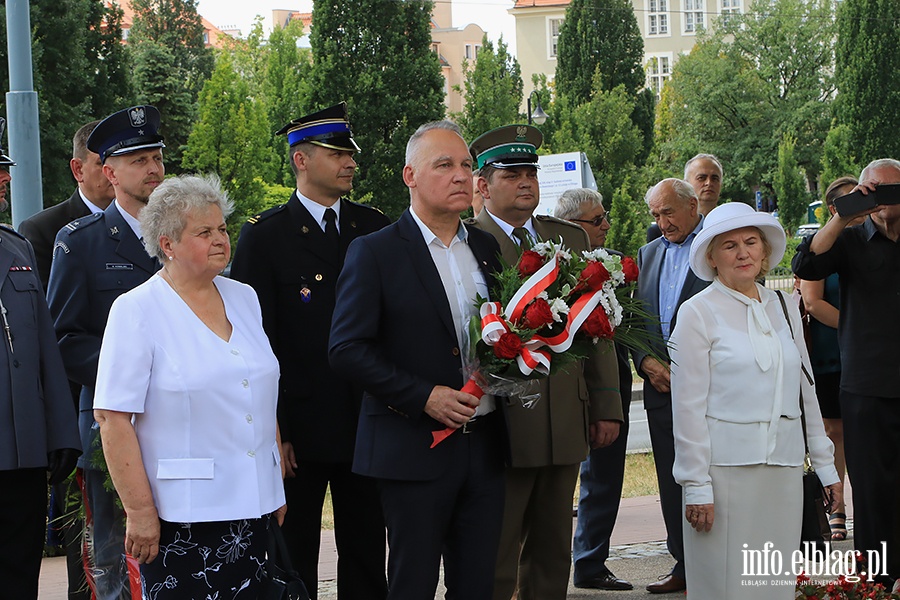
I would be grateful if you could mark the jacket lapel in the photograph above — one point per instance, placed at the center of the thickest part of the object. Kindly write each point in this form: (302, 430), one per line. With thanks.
(425, 269)
(128, 245)
(508, 248)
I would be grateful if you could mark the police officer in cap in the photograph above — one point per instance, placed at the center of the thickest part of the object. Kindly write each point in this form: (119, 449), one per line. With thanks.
(95, 259)
(292, 255)
(577, 409)
(38, 431)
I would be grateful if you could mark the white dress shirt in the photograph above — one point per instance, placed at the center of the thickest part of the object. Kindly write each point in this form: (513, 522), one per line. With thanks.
(204, 408)
(736, 385)
(90, 205)
(318, 211)
(463, 281)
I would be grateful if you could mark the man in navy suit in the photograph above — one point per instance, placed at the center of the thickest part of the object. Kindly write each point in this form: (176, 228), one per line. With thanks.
(317, 409)
(664, 283)
(404, 300)
(95, 260)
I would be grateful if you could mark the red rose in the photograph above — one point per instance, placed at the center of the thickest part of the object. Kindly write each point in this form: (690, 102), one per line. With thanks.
(529, 263)
(508, 346)
(629, 269)
(537, 314)
(597, 325)
(594, 276)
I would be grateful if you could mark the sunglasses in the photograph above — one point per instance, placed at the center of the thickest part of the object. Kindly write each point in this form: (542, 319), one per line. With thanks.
(596, 221)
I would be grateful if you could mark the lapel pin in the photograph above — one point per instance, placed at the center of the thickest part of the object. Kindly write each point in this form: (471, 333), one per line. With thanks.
(353, 224)
(114, 231)
(318, 277)
(304, 229)
(305, 294)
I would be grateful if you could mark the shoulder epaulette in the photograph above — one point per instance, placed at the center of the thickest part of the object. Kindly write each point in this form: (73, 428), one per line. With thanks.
(8, 229)
(549, 219)
(266, 214)
(82, 222)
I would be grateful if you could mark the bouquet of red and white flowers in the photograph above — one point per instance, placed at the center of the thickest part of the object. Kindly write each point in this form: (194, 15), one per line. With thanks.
(550, 309)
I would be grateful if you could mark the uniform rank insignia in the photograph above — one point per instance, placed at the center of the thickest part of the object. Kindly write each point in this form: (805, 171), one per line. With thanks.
(22, 268)
(305, 294)
(119, 267)
(113, 230)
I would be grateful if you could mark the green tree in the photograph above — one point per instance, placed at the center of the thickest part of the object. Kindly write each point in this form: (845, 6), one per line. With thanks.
(492, 90)
(604, 34)
(868, 49)
(839, 155)
(603, 130)
(789, 186)
(749, 81)
(377, 56)
(171, 64)
(230, 138)
(79, 69)
(602, 37)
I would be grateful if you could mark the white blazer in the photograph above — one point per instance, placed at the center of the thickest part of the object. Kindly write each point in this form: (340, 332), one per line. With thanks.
(204, 408)
(729, 411)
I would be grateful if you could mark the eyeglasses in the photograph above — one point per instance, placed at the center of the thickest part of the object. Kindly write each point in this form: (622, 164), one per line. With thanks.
(596, 221)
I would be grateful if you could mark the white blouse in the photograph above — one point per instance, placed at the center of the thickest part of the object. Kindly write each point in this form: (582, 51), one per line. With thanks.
(204, 408)
(736, 384)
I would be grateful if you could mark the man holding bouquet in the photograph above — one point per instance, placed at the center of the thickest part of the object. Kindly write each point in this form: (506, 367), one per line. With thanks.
(400, 328)
(576, 410)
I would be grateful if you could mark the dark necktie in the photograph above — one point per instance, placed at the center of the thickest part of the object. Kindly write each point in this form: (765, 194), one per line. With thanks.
(521, 234)
(331, 230)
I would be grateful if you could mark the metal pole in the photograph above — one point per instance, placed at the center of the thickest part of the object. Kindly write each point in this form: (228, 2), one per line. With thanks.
(22, 115)
(529, 107)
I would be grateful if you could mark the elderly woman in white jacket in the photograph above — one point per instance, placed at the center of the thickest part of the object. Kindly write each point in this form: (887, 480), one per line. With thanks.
(736, 391)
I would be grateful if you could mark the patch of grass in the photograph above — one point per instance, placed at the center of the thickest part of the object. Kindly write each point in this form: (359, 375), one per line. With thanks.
(640, 476)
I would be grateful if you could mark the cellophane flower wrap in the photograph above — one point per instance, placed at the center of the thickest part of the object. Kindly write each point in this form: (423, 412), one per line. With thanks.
(547, 312)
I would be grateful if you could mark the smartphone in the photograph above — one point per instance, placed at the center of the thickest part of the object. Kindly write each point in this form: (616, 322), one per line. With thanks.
(855, 203)
(888, 193)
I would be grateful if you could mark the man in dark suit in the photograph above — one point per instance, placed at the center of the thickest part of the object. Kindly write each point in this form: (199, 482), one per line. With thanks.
(317, 409)
(664, 283)
(576, 410)
(603, 471)
(704, 173)
(404, 300)
(38, 432)
(93, 195)
(96, 259)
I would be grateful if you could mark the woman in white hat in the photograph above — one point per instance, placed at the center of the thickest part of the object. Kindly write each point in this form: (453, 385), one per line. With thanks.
(736, 390)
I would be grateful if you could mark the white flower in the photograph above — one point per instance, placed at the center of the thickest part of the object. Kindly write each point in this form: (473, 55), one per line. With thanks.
(545, 249)
(559, 307)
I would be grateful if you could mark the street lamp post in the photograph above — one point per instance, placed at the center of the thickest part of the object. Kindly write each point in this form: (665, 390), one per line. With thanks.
(538, 116)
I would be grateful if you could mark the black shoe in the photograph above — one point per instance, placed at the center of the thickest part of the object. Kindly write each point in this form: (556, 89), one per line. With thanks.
(605, 582)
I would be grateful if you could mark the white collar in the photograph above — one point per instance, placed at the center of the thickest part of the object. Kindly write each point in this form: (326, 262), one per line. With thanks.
(508, 229)
(318, 210)
(132, 222)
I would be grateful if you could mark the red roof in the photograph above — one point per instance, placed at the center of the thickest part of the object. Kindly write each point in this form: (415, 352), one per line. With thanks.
(539, 3)
(128, 20)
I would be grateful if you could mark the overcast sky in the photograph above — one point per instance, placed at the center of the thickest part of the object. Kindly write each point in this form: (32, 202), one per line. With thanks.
(491, 15)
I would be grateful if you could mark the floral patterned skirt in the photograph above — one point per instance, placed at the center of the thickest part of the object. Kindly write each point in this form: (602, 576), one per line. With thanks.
(221, 560)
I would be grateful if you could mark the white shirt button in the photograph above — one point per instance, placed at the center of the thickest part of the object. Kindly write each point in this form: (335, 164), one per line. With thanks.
(249, 418)
(251, 453)
(235, 351)
(245, 383)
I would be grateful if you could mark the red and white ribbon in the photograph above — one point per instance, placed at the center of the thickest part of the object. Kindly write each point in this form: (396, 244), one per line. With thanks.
(531, 357)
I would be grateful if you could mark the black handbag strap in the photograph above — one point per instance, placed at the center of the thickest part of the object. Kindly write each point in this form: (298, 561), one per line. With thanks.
(278, 550)
(802, 368)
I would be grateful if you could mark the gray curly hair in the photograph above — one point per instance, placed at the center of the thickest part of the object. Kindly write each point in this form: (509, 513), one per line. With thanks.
(170, 204)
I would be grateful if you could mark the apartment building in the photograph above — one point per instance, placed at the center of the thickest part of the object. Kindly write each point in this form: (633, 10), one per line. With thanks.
(669, 28)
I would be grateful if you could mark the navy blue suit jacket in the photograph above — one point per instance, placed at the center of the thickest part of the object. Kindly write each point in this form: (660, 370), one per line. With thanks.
(393, 332)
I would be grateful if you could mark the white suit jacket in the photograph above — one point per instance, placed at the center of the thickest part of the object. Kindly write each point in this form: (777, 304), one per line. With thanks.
(204, 408)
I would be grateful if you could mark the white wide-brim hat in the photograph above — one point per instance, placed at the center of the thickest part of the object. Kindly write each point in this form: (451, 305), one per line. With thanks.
(728, 217)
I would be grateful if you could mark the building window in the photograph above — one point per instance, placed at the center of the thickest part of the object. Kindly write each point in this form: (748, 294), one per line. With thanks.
(477, 49)
(469, 54)
(125, 33)
(658, 17)
(434, 48)
(659, 69)
(693, 15)
(554, 26)
(206, 38)
(731, 7)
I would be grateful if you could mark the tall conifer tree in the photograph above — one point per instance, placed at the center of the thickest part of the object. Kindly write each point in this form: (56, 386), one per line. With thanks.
(376, 55)
(868, 80)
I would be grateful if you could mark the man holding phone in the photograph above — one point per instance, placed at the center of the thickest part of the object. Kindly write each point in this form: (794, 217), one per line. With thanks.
(867, 258)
